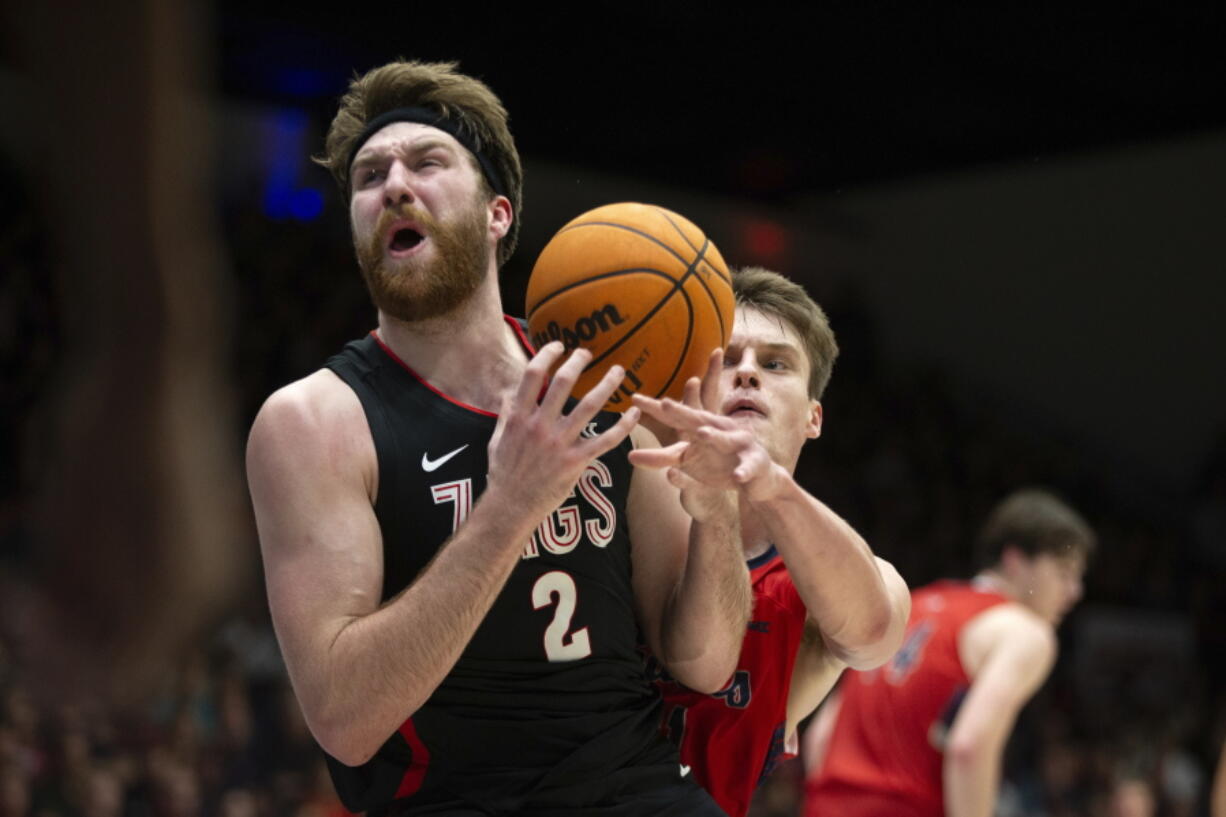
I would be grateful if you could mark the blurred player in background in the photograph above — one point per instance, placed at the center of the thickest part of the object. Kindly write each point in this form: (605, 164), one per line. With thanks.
(458, 569)
(1217, 798)
(822, 601)
(924, 735)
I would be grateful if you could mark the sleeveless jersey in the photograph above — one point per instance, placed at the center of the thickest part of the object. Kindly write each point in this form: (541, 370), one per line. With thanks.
(550, 694)
(734, 737)
(886, 752)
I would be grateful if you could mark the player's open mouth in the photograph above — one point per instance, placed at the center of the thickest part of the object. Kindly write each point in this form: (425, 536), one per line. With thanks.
(744, 408)
(404, 240)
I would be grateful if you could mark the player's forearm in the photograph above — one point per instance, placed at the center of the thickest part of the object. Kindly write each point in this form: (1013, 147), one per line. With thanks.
(379, 668)
(706, 616)
(836, 575)
(971, 780)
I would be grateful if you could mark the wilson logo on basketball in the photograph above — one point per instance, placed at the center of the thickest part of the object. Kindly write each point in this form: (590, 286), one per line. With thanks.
(586, 328)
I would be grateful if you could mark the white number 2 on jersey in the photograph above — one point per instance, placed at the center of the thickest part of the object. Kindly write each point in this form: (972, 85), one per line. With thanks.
(559, 646)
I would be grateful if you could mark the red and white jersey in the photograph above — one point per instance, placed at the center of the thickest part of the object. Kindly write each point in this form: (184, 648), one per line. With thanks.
(886, 751)
(733, 738)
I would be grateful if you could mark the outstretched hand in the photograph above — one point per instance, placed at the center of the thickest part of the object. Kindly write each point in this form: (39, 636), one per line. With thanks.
(537, 452)
(713, 450)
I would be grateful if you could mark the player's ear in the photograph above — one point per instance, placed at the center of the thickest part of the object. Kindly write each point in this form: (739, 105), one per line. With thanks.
(1012, 559)
(813, 428)
(501, 216)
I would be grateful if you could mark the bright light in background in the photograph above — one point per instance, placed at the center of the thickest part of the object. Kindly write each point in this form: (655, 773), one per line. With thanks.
(765, 241)
(283, 151)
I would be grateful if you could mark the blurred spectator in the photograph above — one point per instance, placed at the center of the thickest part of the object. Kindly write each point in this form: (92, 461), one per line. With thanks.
(1131, 797)
(1217, 807)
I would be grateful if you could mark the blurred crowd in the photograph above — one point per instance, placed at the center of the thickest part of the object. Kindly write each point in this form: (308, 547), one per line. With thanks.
(1131, 722)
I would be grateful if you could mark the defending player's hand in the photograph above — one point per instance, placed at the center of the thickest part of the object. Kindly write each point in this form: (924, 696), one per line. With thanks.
(693, 466)
(537, 452)
(714, 450)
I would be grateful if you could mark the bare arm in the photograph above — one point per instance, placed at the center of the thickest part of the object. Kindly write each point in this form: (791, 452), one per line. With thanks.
(858, 602)
(360, 668)
(691, 583)
(1008, 652)
(814, 674)
(817, 737)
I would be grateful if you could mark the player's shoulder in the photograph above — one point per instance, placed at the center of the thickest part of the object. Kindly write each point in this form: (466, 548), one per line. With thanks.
(318, 414)
(1009, 627)
(318, 399)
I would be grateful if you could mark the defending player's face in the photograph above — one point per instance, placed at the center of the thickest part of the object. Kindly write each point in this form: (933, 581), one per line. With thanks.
(766, 385)
(420, 224)
(1051, 584)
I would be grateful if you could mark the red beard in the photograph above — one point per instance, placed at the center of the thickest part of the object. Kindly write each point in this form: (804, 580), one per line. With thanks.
(413, 289)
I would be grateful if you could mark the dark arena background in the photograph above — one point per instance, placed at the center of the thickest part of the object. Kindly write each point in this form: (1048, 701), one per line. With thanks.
(1016, 219)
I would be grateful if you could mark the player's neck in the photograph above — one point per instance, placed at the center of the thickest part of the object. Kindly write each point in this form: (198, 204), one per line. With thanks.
(470, 354)
(995, 582)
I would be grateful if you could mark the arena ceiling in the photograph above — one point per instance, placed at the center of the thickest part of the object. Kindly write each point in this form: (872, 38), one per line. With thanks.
(766, 103)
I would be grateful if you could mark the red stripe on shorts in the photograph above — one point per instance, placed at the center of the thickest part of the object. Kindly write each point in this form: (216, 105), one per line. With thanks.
(416, 773)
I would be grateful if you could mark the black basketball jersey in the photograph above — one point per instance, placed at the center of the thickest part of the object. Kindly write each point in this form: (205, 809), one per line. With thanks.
(550, 694)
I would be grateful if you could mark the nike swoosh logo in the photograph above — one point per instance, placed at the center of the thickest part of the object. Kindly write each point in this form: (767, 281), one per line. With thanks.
(429, 465)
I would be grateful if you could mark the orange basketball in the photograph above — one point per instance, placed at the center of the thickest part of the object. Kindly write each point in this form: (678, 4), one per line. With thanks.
(637, 285)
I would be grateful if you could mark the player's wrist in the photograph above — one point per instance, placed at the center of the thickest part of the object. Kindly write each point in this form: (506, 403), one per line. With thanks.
(506, 514)
(713, 505)
(773, 486)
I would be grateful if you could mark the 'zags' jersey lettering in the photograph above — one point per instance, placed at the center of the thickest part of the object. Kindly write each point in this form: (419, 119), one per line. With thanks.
(561, 531)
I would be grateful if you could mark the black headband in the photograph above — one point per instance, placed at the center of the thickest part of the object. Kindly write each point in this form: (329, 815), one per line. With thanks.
(434, 119)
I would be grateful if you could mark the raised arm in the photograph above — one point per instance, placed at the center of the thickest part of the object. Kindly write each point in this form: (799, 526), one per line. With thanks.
(359, 667)
(859, 603)
(1008, 652)
(690, 579)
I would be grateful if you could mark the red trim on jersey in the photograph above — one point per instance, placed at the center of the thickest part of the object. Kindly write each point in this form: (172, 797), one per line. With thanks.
(416, 773)
(519, 332)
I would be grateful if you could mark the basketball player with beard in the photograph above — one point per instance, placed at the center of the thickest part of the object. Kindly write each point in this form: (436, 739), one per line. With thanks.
(459, 558)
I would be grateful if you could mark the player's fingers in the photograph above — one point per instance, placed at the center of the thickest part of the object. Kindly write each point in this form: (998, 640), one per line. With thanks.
(595, 399)
(662, 411)
(683, 417)
(612, 437)
(692, 394)
(563, 382)
(712, 380)
(655, 409)
(723, 441)
(681, 480)
(533, 379)
(753, 464)
(658, 457)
